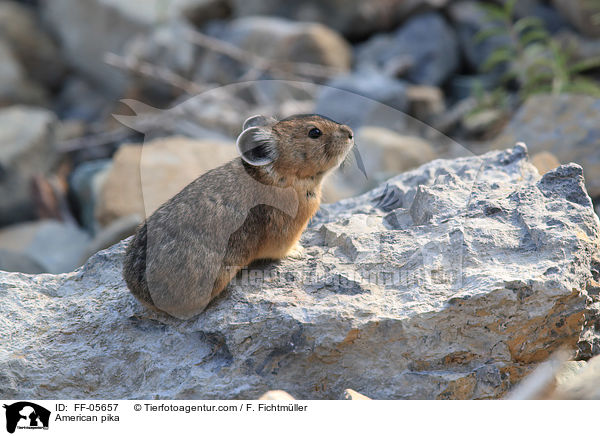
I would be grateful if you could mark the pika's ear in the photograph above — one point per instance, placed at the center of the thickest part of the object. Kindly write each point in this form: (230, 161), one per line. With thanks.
(257, 145)
(258, 121)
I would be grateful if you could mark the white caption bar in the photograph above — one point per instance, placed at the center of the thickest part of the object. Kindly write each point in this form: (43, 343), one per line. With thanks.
(165, 417)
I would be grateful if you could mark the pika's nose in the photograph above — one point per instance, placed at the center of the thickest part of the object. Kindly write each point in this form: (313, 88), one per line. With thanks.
(347, 130)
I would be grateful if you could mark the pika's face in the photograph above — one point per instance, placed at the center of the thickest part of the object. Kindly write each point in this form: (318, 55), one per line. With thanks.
(302, 145)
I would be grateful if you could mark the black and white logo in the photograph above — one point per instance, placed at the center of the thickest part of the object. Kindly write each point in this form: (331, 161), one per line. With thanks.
(26, 415)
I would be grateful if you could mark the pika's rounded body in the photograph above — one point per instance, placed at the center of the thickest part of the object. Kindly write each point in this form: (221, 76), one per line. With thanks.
(254, 207)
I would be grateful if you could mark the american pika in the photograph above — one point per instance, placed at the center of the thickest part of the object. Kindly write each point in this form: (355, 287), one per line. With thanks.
(254, 207)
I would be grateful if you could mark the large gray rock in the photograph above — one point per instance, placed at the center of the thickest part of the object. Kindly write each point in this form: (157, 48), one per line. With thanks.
(551, 18)
(27, 148)
(85, 184)
(279, 41)
(469, 18)
(363, 98)
(15, 87)
(425, 43)
(167, 46)
(11, 74)
(565, 125)
(425, 102)
(80, 100)
(582, 14)
(19, 262)
(34, 48)
(354, 18)
(88, 29)
(55, 246)
(450, 281)
(579, 47)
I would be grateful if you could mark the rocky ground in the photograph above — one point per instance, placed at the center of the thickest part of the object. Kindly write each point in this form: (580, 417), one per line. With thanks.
(450, 281)
(108, 108)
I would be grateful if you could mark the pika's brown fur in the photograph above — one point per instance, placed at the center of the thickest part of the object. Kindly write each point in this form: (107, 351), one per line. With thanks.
(254, 207)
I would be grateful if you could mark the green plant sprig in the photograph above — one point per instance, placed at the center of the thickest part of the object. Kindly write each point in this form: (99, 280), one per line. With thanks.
(532, 59)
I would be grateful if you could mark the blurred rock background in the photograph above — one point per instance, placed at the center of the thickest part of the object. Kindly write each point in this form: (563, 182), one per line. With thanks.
(452, 78)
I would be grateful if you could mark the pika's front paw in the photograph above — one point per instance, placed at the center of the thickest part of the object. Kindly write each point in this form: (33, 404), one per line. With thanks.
(296, 252)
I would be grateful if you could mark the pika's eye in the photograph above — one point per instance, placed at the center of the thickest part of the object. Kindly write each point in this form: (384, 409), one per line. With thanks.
(314, 133)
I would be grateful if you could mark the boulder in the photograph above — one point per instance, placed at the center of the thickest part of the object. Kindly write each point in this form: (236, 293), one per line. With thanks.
(387, 153)
(11, 74)
(464, 86)
(363, 98)
(168, 46)
(551, 18)
(18, 262)
(582, 14)
(449, 281)
(579, 47)
(144, 177)
(85, 184)
(88, 29)
(426, 44)
(31, 44)
(484, 122)
(80, 100)
(27, 148)
(15, 87)
(278, 40)
(565, 125)
(53, 245)
(469, 18)
(355, 19)
(425, 102)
